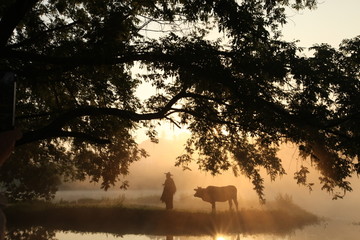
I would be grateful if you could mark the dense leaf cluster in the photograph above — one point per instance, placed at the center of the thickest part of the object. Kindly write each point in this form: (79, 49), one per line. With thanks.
(219, 68)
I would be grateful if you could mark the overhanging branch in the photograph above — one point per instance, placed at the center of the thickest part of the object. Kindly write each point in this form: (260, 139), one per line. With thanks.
(105, 59)
(55, 128)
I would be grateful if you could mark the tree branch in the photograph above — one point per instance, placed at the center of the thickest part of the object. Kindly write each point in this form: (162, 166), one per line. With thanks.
(105, 59)
(54, 129)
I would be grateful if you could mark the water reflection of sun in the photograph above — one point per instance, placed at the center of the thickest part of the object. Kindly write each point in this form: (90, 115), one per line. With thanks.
(220, 238)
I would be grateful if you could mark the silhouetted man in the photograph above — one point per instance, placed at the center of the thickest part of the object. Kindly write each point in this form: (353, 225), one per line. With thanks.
(168, 192)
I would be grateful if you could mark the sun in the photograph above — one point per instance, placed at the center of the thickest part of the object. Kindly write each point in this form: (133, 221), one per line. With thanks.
(220, 238)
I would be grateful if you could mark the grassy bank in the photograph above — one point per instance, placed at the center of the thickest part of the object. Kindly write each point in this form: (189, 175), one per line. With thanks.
(118, 219)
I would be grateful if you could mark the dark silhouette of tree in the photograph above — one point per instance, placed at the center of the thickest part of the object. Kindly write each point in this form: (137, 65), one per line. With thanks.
(240, 95)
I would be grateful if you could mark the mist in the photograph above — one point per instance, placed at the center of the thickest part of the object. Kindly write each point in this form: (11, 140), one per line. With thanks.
(147, 176)
(148, 173)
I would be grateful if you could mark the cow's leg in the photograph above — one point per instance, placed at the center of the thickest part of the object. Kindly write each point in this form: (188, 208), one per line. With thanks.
(230, 204)
(236, 204)
(213, 207)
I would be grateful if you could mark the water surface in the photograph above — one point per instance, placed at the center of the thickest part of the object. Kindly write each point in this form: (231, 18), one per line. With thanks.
(329, 230)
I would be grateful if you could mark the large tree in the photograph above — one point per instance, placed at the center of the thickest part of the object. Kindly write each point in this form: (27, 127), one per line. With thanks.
(219, 68)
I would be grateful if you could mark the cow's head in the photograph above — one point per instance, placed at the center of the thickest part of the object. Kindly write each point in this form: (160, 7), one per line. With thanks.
(199, 192)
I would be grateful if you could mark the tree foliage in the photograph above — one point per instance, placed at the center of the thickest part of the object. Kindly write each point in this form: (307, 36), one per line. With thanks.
(219, 68)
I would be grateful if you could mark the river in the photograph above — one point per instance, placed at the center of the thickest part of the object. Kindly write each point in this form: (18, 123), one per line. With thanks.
(329, 230)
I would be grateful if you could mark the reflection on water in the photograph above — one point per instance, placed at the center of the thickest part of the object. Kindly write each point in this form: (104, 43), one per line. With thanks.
(331, 230)
(38, 233)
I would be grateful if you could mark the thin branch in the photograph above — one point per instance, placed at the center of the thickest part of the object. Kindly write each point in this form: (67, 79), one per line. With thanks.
(173, 121)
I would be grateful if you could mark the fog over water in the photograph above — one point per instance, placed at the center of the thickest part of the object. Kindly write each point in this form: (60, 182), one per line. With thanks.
(147, 176)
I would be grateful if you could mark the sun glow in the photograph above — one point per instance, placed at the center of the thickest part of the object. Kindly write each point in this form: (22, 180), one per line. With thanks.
(220, 238)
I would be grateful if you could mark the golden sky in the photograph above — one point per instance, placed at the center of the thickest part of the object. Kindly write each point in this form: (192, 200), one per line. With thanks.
(331, 22)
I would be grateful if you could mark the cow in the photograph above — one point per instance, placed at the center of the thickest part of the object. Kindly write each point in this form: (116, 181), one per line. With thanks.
(214, 194)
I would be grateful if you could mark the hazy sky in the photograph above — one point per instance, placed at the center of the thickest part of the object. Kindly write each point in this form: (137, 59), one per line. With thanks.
(331, 22)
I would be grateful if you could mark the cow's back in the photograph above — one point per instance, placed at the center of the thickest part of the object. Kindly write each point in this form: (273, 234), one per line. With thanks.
(221, 194)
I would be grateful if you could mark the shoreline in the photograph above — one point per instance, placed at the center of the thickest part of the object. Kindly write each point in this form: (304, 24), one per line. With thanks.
(155, 221)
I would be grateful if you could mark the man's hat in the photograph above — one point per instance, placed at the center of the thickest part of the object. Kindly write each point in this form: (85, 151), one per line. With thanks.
(168, 174)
